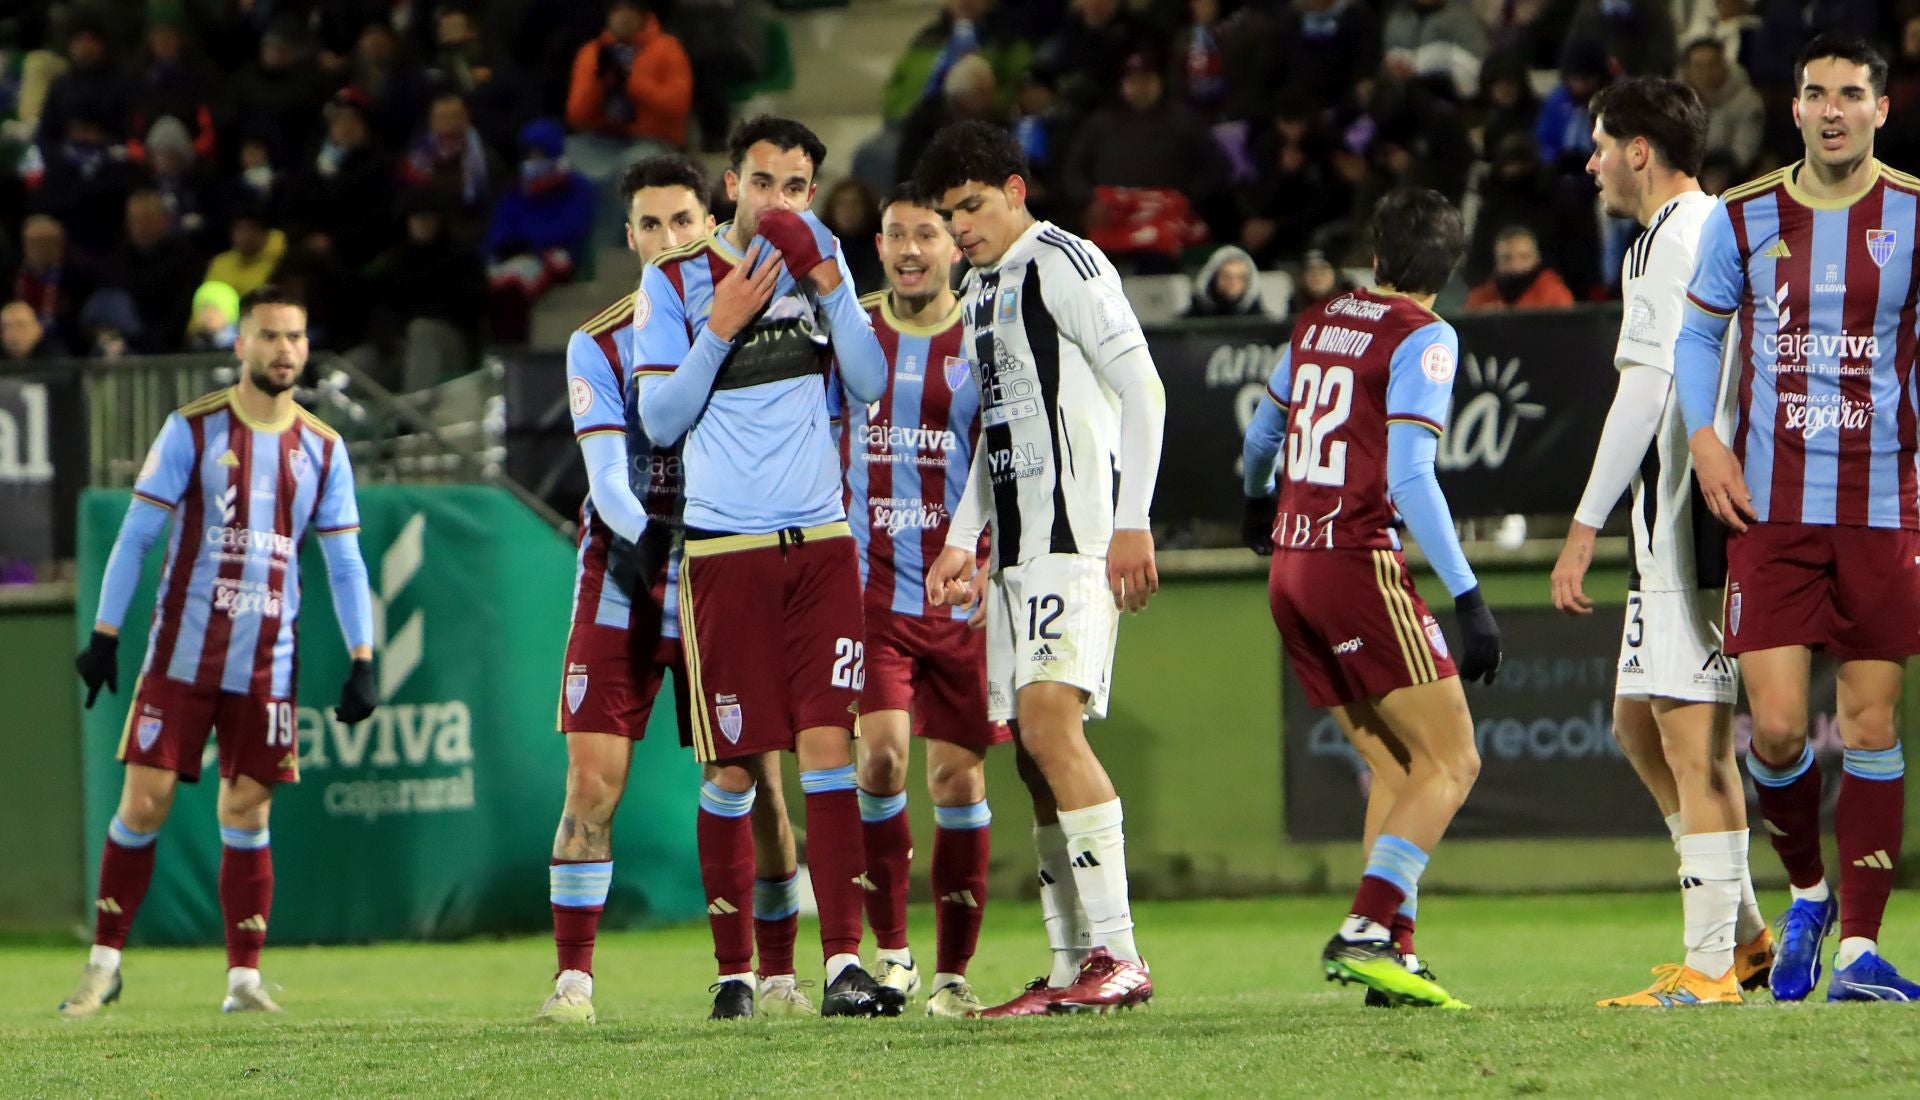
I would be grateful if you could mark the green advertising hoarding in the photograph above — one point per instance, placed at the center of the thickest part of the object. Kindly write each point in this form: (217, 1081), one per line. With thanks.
(435, 817)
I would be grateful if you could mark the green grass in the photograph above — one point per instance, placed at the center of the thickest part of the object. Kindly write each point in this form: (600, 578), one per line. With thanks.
(1241, 1011)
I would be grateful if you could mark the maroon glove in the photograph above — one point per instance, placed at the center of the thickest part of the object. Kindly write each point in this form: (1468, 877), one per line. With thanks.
(803, 240)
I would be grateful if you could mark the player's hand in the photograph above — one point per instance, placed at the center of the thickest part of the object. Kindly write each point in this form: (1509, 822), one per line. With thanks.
(357, 695)
(1576, 554)
(1721, 480)
(744, 292)
(1256, 524)
(948, 579)
(977, 600)
(803, 239)
(99, 665)
(1131, 573)
(1479, 637)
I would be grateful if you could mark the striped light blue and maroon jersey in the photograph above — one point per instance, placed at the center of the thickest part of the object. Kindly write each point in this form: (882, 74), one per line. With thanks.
(1822, 295)
(907, 456)
(599, 366)
(244, 495)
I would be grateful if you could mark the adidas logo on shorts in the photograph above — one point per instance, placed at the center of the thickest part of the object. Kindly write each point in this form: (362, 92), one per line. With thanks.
(1632, 664)
(1043, 655)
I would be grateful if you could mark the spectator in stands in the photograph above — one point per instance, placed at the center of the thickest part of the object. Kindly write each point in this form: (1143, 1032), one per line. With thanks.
(1786, 25)
(852, 211)
(631, 93)
(1144, 171)
(1507, 103)
(1036, 125)
(1899, 141)
(23, 337)
(346, 186)
(1085, 59)
(1296, 189)
(450, 159)
(963, 27)
(1319, 281)
(260, 183)
(335, 294)
(1564, 132)
(1729, 22)
(970, 93)
(496, 94)
(430, 293)
(110, 324)
(727, 46)
(394, 92)
(539, 233)
(158, 268)
(1717, 174)
(51, 278)
(1638, 35)
(1417, 138)
(174, 83)
(175, 173)
(1518, 190)
(257, 246)
(1736, 119)
(215, 319)
(1439, 43)
(1228, 286)
(1328, 46)
(1521, 279)
(1219, 61)
(84, 182)
(277, 97)
(92, 86)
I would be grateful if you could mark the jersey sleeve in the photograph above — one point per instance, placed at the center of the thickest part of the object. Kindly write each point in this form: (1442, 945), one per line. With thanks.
(1420, 377)
(660, 341)
(594, 386)
(1719, 279)
(164, 476)
(339, 511)
(1087, 303)
(1656, 304)
(1266, 433)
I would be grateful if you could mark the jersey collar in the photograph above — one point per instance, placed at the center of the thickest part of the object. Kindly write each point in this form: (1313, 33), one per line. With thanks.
(909, 328)
(1023, 244)
(1800, 196)
(264, 427)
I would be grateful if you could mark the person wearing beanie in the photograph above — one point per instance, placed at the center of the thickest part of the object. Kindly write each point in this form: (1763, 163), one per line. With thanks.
(215, 322)
(539, 230)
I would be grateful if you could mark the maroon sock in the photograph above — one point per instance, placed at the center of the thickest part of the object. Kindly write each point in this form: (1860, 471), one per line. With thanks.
(726, 870)
(1868, 823)
(1377, 900)
(246, 900)
(773, 936)
(889, 845)
(1402, 933)
(959, 893)
(576, 923)
(836, 859)
(124, 875)
(1792, 816)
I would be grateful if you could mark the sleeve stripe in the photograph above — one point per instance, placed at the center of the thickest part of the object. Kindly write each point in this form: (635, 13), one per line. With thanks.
(1705, 308)
(585, 432)
(1410, 418)
(1276, 398)
(654, 368)
(154, 500)
(323, 532)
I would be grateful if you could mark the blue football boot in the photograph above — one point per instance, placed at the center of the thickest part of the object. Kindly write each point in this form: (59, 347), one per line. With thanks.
(1801, 931)
(1870, 978)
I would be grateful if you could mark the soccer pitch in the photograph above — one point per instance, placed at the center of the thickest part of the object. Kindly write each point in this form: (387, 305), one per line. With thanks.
(1240, 1011)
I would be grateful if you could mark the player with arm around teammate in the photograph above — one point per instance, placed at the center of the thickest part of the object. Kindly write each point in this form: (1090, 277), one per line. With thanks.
(1357, 404)
(245, 475)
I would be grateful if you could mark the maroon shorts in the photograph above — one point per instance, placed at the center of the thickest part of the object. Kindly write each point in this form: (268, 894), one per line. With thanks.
(936, 669)
(168, 723)
(612, 677)
(773, 636)
(1854, 591)
(1353, 624)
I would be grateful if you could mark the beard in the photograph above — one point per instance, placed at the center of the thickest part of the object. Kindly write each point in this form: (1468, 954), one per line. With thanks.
(914, 303)
(261, 375)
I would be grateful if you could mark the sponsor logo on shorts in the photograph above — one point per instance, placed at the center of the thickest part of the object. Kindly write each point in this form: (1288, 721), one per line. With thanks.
(726, 708)
(1716, 670)
(1044, 655)
(1350, 646)
(1435, 638)
(996, 695)
(1632, 666)
(576, 692)
(147, 731)
(1733, 609)
(573, 668)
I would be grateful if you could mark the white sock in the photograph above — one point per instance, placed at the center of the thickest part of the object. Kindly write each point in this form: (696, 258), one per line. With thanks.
(1099, 849)
(575, 977)
(1357, 929)
(1674, 829)
(242, 977)
(1851, 948)
(108, 957)
(1751, 921)
(902, 956)
(1060, 908)
(1817, 892)
(943, 979)
(1411, 961)
(839, 963)
(747, 978)
(1710, 866)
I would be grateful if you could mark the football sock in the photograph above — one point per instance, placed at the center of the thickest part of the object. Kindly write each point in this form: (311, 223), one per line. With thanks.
(1869, 824)
(1099, 851)
(1751, 922)
(1790, 804)
(1710, 897)
(944, 978)
(242, 977)
(1851, 948)
(889, 841)
(1817, 892)
(1403, 921)
(1393, 873)
(837, 965)
(960, 847)
(126, 867)
(1068, 936)
(577, 891)
(1674, 829)
(776, 923)
(836, 857)
(745, 977)
(575, 977)
(724, 836)
(246, 892)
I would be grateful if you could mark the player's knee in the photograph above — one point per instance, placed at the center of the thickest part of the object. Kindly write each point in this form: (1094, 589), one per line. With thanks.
(883, 769)
(1459, 768)
(594, 792)
(1869, 726)
(1779, 732)
(732, 778)
(144, 811)
(954, 783)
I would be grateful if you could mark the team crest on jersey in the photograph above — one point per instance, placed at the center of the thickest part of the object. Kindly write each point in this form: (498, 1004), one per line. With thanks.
(147, 731)
(576, 693)
(1733, 610)
(301, 465)
(579, 396)
(1880, 245)
(957, 372)
(1009, 306)
(726, 708)
(1435, 638)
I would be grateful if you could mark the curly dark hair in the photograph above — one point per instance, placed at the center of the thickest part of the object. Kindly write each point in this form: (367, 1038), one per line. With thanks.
(968, 152)
(664, 170)
(1417, 238)
(782, 133)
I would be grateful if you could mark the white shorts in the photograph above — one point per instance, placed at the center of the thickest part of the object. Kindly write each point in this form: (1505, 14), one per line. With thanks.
(1670, 648)
(1050, 619)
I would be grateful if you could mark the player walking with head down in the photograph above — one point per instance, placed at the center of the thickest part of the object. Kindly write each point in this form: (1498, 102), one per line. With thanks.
(1815, 265)
(1359, 399)
(734, 334)
(1071, 420)
(245, 475)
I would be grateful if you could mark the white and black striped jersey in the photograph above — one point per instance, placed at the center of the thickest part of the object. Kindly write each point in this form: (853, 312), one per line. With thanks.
(1677, 544)
(1042, 328)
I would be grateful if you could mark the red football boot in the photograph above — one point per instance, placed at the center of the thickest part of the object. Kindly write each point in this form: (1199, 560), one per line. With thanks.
(1105, 983)
(1032, 1001)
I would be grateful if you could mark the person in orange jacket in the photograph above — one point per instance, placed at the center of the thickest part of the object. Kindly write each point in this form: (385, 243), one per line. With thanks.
(632, 83)
(1521, 278)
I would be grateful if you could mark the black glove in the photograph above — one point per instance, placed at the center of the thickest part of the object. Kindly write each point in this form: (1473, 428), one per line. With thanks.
(357, 695)
(1479, 637)
(99, 665)
(1256, 524)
